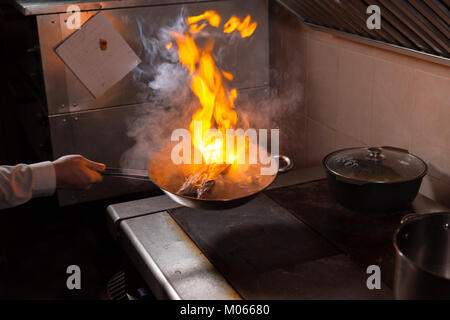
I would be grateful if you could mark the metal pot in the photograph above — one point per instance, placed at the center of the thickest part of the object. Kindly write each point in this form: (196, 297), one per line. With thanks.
(422, 262)
(374, 179)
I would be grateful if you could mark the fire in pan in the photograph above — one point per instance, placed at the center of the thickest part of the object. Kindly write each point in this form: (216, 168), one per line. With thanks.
(209, 187)
(221, 180)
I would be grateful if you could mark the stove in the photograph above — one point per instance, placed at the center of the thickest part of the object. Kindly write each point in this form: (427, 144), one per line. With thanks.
(293, 241)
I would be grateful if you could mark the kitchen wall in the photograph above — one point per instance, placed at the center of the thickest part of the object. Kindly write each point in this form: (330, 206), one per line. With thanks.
(358, 95)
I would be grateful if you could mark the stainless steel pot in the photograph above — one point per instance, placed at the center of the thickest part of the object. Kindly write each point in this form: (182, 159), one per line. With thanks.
(422, 262)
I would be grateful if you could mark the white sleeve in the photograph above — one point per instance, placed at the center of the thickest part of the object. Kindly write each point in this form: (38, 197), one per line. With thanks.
(20, 183)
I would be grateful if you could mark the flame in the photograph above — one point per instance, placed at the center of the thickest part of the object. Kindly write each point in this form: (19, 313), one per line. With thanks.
(209, 84)
(188, 52)
(246, 27)
(228, 75)
(210, 15)
(194, 28)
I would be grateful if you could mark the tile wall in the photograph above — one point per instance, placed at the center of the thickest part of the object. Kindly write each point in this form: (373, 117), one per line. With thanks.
(359, 95)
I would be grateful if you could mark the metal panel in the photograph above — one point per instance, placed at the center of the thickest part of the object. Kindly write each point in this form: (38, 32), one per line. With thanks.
(153, 241)
(422, 26)
(439, 8)
(65, 93)
(387, 33)
(32, 7)
(393, 20)
(99, 135)
(137, 208)
(410, 17)
(436, 20)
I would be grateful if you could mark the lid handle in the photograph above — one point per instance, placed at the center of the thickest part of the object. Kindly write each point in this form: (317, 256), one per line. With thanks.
(375, 154)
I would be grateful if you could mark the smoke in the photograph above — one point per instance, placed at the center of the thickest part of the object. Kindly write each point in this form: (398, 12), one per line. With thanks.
(268, 109)
(165, 84)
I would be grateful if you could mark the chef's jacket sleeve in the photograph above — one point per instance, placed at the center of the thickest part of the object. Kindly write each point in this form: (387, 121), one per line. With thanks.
(20, 183)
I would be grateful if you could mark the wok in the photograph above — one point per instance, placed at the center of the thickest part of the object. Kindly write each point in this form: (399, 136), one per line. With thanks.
(227, 192)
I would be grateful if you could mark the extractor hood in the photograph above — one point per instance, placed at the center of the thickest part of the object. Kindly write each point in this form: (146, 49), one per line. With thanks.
(415, 27)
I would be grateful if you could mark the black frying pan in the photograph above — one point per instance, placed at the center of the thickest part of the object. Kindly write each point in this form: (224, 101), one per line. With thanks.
(169, 177)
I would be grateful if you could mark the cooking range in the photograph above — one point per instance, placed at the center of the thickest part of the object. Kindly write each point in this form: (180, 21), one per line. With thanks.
(293, 241)
(224, 229)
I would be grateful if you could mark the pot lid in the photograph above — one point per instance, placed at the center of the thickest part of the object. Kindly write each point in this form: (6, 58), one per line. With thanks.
(380, 165)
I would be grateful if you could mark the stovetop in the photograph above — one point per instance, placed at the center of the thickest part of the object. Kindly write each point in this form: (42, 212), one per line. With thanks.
(291, 242)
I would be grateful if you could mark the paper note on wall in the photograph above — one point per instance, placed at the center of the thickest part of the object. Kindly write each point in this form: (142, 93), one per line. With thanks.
(98, 55)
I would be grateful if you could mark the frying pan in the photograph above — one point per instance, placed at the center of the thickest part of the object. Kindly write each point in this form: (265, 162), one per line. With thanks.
(169, 178)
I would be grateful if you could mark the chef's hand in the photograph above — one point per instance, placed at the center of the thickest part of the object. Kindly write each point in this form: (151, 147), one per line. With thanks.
(77, 172)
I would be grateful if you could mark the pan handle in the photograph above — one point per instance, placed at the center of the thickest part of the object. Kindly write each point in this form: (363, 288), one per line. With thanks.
(126, 173)
(288, 164)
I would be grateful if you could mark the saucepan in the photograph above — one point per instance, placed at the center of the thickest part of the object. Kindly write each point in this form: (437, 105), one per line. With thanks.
(379, 179)
(234, 187)
(422, 262)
